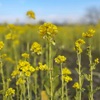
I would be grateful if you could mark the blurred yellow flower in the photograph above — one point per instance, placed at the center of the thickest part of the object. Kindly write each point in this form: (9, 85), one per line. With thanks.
(60, 59)
(67, 78)
(96, 60)
(36, 48)
(1, 45)
(25, 55)
(20, 81)
(43, 67)
(78, 44)
(89, 34)
(66, 71)
(30, 14)
(10, 92)
(48, 30)
(76, 85)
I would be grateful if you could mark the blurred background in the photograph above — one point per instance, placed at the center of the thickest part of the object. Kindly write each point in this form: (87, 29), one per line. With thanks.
(57, 11)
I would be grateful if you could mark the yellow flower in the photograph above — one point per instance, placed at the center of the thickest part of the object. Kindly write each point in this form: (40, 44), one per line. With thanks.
(8, 36)
(60, 59)
(30, 14)
(27, 73)
(76, 85)
(67, 79)
(15, 73)
(89, 34)
(25, 68)
(36, 48)
(48, 30)
(3, 56)
(78, 44)
(10, 92)
(1, 45)
(66, 71)
(96, 60)
(20, 81)
(11, 26)
(43, 67)
(25, 55)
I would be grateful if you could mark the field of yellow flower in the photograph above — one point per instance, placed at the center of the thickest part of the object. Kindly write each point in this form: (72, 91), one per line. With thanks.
(49, 62)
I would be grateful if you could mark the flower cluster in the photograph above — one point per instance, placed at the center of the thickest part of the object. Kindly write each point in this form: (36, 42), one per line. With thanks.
(11, 26)
(43, 67)
(36, 48)
(1, 45)
(60, 59)
(48, 31)
(89, 34)
(30, 14)
(11, 36)
(20, 81)
(78, 44)
(25, 55)
(24, 68)
(76, 85)
(10, 92)
(66, 72)
(96, 60)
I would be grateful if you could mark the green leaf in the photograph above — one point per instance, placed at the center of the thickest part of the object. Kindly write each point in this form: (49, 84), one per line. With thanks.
(1, 91)
(95, 90)
(87, 77)
(47, 90)
(57, 94)
(77, 70)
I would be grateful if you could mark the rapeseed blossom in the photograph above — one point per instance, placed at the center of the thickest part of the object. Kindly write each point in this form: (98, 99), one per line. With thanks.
(96, 60)
(10, 92)
(67, 78)
(30, 14)
(1, 45)
(76, 85)
(20, 81)
(25, 55)
(89, 33)
(43, 67)
(78, 44)
(60, 59)
(48, 31)
(66, 71)
(36, 48)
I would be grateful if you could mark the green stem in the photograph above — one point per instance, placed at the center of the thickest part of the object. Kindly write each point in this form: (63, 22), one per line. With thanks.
(80, 80)
(62, 81)
(51, 70)
(67, 92)
(35, 74)
(28, 88)
(91, 75)
(3, 79)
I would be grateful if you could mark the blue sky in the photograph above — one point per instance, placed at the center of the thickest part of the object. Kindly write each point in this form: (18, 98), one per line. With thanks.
(48, 10)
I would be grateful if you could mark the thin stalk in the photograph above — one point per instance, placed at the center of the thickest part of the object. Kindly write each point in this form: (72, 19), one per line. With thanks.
(79, 68)
(51, 69)
(28, 47)
(28, 88)
(35, 74)
(3, 79)
(67, 92)
(21, 95)
(62, 87)
(91, 75)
